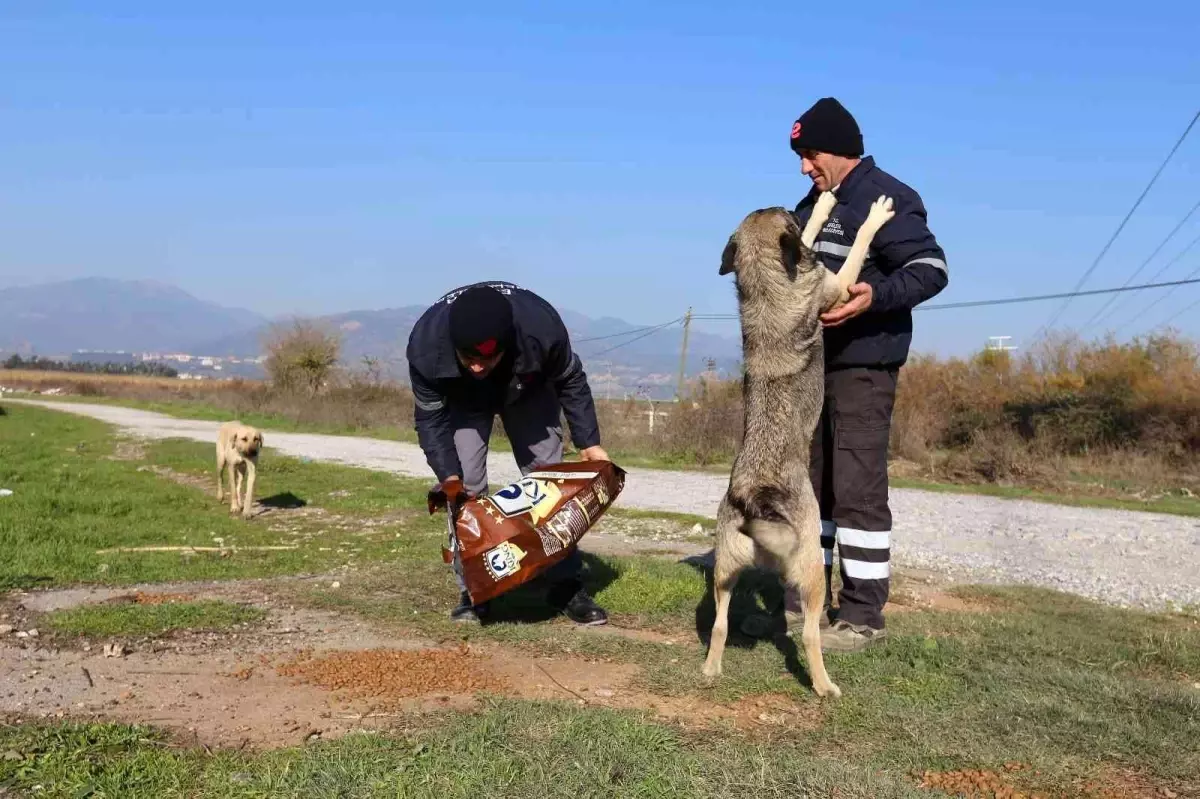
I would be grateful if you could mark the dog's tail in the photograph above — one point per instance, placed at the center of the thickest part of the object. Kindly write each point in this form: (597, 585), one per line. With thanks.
(770, 520)
(778, 539)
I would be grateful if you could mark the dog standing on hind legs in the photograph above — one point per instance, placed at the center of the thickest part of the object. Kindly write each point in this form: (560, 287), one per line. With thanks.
(769, 516)
(238, 446)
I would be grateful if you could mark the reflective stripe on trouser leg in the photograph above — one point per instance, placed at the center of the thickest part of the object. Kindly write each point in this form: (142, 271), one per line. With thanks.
(864, 557)
(828, 539)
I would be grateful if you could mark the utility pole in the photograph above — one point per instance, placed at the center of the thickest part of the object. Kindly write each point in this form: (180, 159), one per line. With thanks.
(687, 324)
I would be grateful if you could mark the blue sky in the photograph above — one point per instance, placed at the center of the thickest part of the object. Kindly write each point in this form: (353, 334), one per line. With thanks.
(303, 157)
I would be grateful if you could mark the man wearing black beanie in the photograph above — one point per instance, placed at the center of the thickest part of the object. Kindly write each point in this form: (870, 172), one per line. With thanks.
(866, 343)
(495, 348)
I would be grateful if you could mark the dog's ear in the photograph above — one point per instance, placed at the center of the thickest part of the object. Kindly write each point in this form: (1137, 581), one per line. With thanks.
(789, 248)
(727, 257)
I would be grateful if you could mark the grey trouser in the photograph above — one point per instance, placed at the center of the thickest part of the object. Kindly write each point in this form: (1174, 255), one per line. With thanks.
(534, 427)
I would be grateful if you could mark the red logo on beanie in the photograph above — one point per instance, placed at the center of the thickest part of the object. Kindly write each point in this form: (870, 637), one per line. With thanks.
(486, 347)
(796, 131)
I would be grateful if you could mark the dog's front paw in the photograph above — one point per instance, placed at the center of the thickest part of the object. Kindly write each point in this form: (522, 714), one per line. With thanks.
(881, 211)
(824, 204)
(711, 670)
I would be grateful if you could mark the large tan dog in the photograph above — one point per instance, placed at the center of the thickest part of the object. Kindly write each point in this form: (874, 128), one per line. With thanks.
(769, 515)
(238, 446)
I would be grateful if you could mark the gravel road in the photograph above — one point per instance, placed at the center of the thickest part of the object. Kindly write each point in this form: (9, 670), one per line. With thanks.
(1126, 558)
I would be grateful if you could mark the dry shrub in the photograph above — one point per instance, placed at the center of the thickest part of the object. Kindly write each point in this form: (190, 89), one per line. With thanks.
(1003, 418)
(1128, 413)
(351, 401)
(705, 427)
(301, 354)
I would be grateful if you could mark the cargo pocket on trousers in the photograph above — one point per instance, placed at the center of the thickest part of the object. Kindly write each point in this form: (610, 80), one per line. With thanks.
(862, 438)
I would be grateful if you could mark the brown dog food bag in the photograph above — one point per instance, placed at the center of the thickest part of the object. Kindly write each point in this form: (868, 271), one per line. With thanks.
(518, 532)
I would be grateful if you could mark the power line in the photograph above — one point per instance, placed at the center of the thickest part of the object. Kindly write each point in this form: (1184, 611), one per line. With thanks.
(1063, 295)
(1011, 300)
(618, 335)
(1146, 310)
(649, 332)
(1167, 266)
(1145, 263)
(1175, 315)
(1074, 291)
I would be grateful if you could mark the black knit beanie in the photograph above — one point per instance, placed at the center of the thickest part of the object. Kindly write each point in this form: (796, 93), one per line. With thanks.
(827, 127)
(481, 321)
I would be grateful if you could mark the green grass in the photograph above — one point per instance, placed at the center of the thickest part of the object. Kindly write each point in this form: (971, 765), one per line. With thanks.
(133, 619)
(71, 500)
(511, 749)
(289, 481)
(1063, 684)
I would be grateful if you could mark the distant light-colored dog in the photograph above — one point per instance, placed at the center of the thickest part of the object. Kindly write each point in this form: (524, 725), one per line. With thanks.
(238, 446)
(769, 515)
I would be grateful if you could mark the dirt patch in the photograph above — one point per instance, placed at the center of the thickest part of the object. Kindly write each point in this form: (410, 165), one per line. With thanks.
(303, 673)
(988, 784)
(128, 450)
(918, 591)
(181, 478)
(390, 674)
(621, 535)
(1117, 783)
(142, 598)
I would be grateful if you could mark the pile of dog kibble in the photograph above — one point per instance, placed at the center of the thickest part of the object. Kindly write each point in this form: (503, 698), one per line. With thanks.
(392, 674)
(973, 783)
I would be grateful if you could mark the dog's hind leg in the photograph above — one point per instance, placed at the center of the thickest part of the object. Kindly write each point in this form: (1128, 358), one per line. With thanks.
(727, 567)
(220, 474)
(806, 574)
(724, 581)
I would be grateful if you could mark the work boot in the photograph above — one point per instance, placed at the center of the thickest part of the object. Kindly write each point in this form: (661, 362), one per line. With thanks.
(466, 612)
(842, 636)
(571, 599)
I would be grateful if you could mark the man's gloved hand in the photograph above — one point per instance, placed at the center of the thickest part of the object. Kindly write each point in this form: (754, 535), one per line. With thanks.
(451, 494)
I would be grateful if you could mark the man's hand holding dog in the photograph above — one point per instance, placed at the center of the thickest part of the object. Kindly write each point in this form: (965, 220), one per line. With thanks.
(861, 296)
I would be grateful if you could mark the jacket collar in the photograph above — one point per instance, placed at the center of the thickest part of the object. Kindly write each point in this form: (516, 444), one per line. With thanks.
(846, 187)
(854, 177)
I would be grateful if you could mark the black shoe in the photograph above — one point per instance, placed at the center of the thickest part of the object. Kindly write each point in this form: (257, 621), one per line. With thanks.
(466, 612)
(578, 606)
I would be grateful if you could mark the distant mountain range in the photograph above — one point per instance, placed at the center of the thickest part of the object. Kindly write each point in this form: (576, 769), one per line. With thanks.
(102, 314)
(146, 316)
